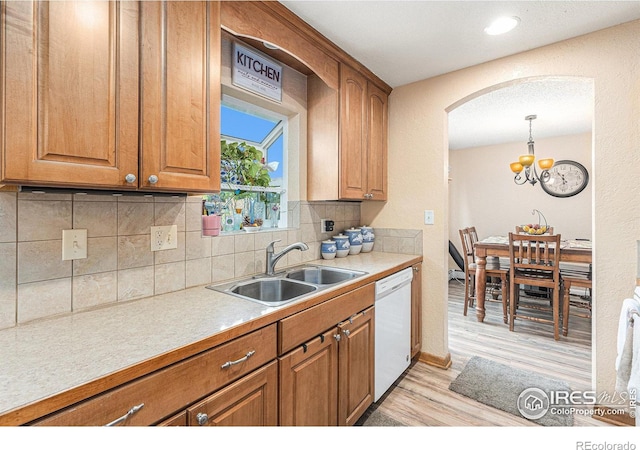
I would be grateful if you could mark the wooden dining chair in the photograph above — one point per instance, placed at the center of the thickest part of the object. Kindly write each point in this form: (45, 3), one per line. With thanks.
(535, 261)
(468, 237)
(575, 277)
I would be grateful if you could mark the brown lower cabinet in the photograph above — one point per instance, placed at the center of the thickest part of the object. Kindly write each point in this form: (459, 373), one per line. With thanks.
(416, 310)
(328, 380)
(250, 401)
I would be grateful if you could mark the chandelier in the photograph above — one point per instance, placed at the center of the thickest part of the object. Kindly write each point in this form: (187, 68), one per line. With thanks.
(525, 163)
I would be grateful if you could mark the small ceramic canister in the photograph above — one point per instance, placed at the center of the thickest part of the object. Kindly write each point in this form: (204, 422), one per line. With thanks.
(342, 245)
(328, 249)
(355, 239)
(367, 239)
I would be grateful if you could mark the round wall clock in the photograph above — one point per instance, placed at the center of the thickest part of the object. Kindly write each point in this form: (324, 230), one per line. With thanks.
(566, 178)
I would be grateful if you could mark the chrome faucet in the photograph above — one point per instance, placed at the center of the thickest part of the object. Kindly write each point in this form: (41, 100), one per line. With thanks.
(272, 258)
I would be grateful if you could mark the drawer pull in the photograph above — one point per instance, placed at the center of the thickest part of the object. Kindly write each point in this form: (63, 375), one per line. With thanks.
(129, 413)
(238, 361)
(202, 419)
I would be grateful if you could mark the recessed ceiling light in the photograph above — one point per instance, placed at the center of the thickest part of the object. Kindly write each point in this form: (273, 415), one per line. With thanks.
(502, 25)
(271, 46)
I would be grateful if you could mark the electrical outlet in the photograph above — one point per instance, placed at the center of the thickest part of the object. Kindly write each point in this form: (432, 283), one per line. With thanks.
(326, 225)
(74, 244)
(164, 238)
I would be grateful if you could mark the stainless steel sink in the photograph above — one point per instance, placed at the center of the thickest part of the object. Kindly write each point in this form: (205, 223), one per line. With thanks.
(292, 284)
(267, 291)
(322, 275)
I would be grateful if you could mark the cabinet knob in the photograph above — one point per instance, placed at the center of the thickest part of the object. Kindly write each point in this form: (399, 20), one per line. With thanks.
(336, 337)
(416, 269)
(153, 179)
(347, 333)
(130, 178)
(202, 419)
(368, 196)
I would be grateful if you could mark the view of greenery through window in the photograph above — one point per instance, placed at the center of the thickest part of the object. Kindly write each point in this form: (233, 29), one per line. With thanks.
(243, 122)
(259, 128)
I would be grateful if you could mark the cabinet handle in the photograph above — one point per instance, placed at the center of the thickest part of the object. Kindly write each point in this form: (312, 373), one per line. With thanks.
(129, 413)
(130, 178)
(153, 179)
(368, 196)
(337, 337)
(346, 333)
(238, 361)
(202, 419)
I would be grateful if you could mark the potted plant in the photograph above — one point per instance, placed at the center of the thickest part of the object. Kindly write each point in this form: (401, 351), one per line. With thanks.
(243, 164)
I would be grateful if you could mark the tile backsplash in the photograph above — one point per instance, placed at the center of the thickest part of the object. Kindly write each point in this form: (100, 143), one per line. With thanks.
(35, 282)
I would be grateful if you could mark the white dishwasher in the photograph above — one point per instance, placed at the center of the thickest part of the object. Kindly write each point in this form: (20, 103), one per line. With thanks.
(392, 329)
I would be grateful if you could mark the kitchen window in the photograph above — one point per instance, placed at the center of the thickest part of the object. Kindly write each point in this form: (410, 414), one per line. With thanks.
(244, 122)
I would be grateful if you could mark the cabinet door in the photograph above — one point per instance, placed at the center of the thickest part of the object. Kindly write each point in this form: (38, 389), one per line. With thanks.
(309, 383)
(377, 123)
(70, 85)
(356, 366)
(180, 100)
(416, 310)
(250, 401)
(353, 134)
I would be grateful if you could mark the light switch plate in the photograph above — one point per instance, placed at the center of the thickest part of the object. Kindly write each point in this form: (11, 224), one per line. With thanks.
(429, 217)
(74, 244)
(164, 238)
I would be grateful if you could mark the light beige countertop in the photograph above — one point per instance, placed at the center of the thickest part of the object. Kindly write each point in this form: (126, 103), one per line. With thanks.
(44, 359)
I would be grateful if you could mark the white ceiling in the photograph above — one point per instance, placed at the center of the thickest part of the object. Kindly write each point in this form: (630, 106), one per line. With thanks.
(407, 41)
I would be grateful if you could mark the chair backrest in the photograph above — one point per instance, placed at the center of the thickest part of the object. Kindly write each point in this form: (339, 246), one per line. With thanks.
(535, 256)
(473, 237)
(467, 247)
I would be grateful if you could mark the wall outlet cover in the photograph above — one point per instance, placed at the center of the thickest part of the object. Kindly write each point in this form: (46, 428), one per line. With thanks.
(164, 238)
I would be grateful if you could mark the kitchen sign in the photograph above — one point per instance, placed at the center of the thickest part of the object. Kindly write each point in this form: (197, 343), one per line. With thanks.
(256, 73)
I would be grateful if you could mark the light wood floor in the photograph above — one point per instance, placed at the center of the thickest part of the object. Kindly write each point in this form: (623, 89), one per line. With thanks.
(421, 396)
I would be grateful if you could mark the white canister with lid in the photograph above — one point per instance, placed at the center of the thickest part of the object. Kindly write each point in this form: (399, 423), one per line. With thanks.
(328, 249)
(367, 238)
(342, 245)
(355, 240)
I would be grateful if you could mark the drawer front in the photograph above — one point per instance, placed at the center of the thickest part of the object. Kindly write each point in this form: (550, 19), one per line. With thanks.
(168, 390)
(301, 327)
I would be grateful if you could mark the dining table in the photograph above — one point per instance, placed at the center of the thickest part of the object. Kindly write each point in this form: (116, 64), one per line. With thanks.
(571, 251)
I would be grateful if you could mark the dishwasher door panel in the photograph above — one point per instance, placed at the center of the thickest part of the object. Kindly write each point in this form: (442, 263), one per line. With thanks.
(393, 338)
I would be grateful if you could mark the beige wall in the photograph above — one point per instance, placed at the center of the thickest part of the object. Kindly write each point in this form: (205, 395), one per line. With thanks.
(482, 192)
(418, 160)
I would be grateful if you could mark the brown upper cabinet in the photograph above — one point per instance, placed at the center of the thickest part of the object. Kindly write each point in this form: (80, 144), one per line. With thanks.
(363, 138)
(111, 95)
(347, 145)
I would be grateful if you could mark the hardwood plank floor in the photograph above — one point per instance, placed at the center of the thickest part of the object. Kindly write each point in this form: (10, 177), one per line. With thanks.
(421, 397)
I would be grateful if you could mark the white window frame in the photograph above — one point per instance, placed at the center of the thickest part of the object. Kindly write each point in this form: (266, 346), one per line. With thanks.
(281, 128)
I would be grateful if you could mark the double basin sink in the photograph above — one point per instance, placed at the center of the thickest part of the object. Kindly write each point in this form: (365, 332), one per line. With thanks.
(287, 286)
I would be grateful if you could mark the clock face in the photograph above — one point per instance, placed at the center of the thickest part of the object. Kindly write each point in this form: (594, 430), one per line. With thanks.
(566, 178)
